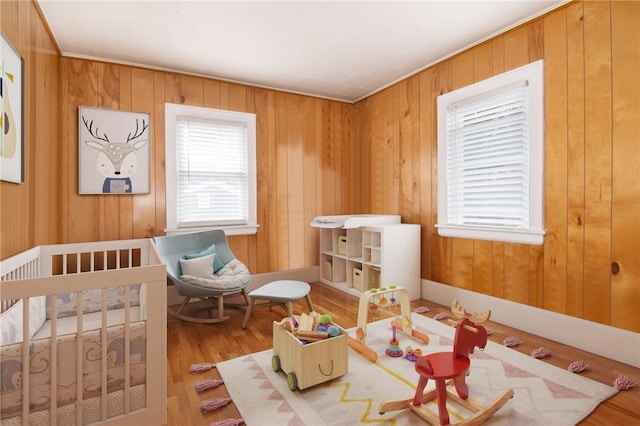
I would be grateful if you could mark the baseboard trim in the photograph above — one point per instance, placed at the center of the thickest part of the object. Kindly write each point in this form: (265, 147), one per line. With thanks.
(610, 342)
(309, 275)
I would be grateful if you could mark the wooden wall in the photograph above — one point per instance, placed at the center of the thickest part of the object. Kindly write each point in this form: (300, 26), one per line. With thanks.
(29, 212)
(303, 145)
(320, 157)
(592, 162)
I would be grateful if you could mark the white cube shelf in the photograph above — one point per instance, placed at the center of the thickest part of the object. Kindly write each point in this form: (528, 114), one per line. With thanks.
(381, 250)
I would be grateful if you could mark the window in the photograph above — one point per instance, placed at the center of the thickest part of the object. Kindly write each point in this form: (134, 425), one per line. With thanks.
(210, 170)
(490, 158)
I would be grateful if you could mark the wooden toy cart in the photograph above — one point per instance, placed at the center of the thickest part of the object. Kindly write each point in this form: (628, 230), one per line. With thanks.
(308, 364)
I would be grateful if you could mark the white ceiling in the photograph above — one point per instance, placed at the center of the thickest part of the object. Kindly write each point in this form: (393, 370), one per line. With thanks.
(344, 50)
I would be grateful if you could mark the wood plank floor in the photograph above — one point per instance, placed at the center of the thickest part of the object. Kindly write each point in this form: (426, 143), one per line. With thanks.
(190, 343)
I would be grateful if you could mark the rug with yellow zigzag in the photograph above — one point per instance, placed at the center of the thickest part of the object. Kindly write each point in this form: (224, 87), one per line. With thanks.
(543, 394)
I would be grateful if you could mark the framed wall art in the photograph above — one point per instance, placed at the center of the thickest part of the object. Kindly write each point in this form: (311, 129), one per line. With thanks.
(12, 116)
(113, 151)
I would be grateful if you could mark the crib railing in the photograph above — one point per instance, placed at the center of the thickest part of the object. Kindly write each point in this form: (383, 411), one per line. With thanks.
(75, 268)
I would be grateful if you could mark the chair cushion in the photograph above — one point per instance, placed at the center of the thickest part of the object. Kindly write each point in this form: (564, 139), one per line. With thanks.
(217, 263)
(234, 274)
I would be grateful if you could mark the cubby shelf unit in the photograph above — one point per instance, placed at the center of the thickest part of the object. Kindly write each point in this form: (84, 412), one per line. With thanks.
(358, 253)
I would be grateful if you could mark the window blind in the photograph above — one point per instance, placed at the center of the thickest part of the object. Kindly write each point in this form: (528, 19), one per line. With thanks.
(212, 172)
(488, 160)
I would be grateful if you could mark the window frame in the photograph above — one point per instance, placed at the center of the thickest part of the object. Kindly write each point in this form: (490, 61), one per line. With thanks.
(533, 75)
(172, 113)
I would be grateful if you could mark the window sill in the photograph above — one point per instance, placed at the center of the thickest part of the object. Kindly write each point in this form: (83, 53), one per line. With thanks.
(229, 230)
(518, 236)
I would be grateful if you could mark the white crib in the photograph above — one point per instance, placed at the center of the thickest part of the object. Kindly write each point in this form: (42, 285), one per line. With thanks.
(94, 311)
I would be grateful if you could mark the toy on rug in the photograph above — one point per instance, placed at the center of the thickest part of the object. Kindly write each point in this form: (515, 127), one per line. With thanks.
(311, 327)
(310, 349)
(448, 370)
(413, 354)
(394, 346)
(459, 312)
(374, 296)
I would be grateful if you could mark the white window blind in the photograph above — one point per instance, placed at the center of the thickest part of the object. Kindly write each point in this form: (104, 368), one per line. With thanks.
(212, 173)
(488, 161)
(491, 158)
(210, 170)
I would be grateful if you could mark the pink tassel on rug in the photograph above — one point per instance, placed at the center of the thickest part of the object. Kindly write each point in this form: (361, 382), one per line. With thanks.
(440, 316)
(209, 405)
(228, 422)
(578, 367)
(422, 310)
(623, 382)
(199, 368)
(511, 342)
(541, 353)
(208, 384)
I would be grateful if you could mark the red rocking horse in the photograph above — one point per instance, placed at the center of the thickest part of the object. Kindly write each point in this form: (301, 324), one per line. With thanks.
(448, 368)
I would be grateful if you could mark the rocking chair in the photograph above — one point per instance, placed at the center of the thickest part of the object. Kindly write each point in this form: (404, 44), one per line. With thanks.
(231, 277)
(450, 368)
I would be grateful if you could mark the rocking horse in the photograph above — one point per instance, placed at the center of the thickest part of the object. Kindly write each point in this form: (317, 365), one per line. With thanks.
(450, 368)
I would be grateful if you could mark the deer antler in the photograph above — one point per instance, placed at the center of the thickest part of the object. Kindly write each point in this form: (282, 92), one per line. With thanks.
(136, 134)
(89, 127)
(476, 317)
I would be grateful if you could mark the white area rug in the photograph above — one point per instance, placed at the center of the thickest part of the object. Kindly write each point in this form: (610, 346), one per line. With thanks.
(544, 394)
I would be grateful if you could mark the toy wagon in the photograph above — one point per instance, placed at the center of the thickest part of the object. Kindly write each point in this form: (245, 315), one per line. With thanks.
(308, 364)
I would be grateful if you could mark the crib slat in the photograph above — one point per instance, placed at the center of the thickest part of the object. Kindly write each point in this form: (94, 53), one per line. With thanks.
(103, 363)
(25, 360)
(53, 347)
(79, 359)
(127, 348)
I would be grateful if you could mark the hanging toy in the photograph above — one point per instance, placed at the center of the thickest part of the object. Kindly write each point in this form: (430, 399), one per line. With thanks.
(394, 305)
(374, 313)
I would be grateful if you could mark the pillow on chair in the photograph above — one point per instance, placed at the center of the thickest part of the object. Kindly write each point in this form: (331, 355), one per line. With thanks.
(217, 263)
(201, 267)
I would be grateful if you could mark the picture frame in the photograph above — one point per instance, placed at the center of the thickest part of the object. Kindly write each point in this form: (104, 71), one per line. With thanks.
(113, 151)
(12, 144)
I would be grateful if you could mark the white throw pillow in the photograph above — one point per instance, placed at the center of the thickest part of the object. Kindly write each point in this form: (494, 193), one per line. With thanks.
(201, 267)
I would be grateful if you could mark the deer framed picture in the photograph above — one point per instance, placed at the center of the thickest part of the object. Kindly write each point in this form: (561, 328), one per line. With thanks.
(113, 151)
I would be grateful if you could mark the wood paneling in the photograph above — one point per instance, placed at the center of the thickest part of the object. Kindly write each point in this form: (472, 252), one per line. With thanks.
(29, 212)
(592, 189)
(625, 209)
(320, 157)
(293, 133)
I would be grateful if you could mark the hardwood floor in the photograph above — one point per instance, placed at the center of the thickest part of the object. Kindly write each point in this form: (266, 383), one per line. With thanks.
(190, 343)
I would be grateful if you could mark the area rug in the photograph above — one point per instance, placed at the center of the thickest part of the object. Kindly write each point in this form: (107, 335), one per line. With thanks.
(543, 394)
